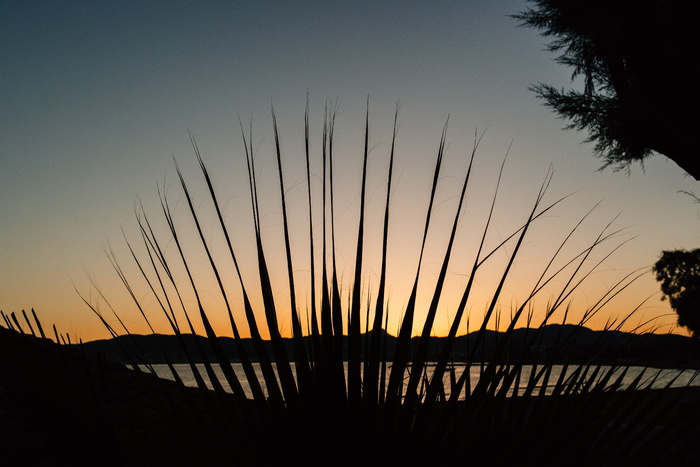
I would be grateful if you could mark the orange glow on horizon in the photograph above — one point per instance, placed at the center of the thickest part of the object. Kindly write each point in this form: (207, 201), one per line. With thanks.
(411, 191)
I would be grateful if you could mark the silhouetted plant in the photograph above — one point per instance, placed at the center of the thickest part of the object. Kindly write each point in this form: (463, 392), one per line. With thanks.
(407, 406)
(679, 274)
(640, 75)
(407, 416)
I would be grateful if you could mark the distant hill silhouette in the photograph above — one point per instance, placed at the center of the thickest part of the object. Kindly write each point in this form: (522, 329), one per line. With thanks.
(553, 341)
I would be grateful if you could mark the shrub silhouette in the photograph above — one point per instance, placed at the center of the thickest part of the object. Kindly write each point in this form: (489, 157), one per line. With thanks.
(338, 397)
(679, 274)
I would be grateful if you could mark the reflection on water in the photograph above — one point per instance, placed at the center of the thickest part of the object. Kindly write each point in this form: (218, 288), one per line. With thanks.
(658, 378)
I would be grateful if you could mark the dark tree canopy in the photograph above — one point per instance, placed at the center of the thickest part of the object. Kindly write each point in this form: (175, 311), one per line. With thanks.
(641, 72)
(679, 274)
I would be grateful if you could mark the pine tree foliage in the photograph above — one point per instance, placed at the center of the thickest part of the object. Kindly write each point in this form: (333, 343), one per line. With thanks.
(638, 61)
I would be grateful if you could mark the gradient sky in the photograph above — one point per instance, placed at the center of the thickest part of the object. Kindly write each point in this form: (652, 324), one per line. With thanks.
(98, 98)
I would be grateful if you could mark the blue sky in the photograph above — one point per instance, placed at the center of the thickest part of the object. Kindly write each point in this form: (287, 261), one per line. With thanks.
(98, 99)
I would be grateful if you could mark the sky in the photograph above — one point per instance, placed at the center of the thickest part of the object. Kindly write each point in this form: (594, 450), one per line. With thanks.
(99, 99)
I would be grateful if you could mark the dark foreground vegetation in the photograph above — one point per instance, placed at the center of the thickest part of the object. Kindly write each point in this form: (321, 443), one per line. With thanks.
(62, 406)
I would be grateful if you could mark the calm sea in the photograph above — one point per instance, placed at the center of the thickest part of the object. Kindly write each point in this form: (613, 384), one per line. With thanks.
(658, 378)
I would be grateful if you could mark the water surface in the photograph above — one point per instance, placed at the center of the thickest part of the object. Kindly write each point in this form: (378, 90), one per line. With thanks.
(658, 378)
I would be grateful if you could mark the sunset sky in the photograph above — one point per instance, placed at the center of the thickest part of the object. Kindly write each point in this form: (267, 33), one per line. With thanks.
(99, 97)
